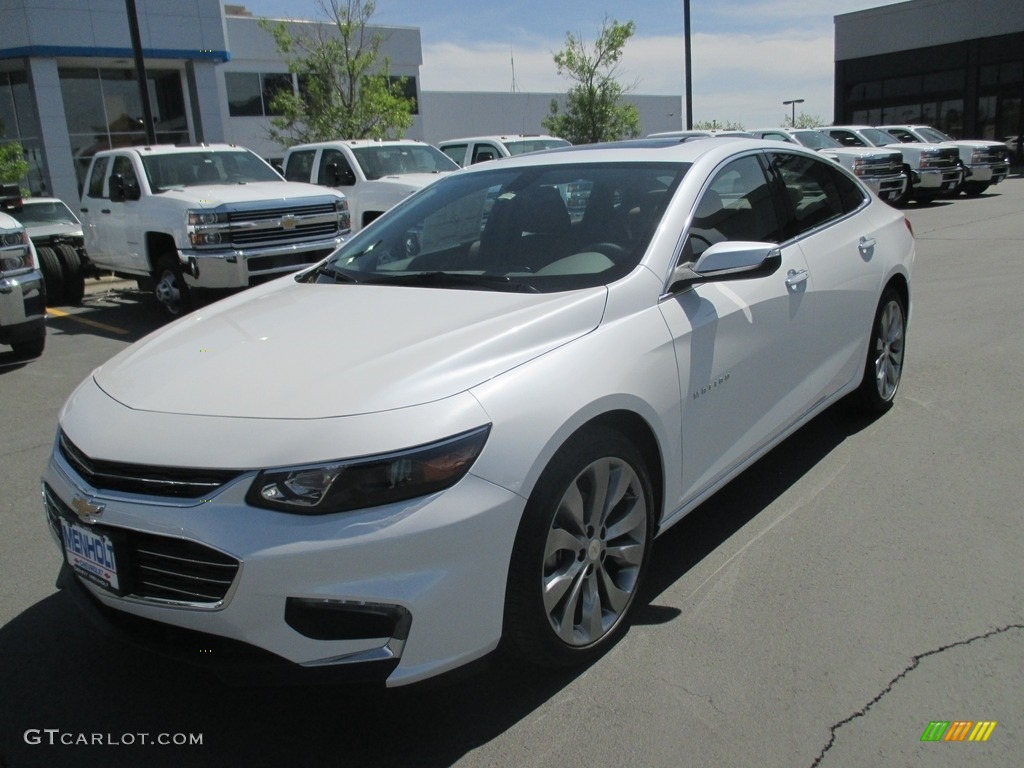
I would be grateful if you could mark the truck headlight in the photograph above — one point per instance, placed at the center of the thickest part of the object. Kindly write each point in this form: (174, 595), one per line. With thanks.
(347, 484)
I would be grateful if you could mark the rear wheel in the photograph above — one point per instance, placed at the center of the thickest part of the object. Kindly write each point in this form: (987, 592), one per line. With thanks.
(53, 276)
(884, 367)
(74, 274)
(581, 551)
(170, 289)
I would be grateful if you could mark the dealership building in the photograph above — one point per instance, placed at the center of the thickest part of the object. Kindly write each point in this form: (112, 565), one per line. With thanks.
(953, 64)
(68, 85)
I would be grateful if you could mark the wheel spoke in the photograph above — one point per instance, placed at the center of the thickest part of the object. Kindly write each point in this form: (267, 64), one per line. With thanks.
(630, 553)
(558, 584)
(635, 519)
(616, 598)
(600, 478)
(593, 615)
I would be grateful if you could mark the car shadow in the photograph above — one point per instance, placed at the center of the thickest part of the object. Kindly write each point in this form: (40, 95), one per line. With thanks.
(60, 673)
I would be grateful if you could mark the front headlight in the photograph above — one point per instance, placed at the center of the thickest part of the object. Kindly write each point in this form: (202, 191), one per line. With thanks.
(370, 481)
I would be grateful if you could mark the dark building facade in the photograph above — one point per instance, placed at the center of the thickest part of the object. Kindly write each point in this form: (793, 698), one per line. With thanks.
(955, 64)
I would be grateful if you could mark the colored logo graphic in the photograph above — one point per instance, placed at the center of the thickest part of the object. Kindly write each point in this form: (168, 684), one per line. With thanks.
(958, 730)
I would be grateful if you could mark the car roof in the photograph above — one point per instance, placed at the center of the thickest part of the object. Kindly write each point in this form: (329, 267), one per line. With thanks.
(357, 143)
(503, 137)
(174, 149)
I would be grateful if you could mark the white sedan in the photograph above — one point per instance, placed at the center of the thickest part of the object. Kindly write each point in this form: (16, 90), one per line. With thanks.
(470, 423)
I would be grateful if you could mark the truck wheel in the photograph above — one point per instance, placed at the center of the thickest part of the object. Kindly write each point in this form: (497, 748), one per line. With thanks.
(170, 290)
(53, 276)
(31, 347)
(975, 188)
(74, 274)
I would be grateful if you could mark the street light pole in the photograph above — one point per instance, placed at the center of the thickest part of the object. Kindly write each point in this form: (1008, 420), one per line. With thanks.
(689, 77)
(793, 102)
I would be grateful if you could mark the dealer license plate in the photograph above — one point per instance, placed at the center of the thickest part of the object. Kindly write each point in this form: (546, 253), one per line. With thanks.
(90, 555)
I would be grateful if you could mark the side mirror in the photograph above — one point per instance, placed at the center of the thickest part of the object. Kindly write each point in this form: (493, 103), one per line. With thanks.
(339, 177)
(730, 260)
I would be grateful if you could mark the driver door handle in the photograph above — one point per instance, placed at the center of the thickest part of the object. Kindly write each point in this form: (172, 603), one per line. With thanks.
(795, 277)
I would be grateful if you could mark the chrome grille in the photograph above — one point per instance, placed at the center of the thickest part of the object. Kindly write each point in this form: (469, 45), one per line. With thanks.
(271, 226)
(176, 482)
(159, 568)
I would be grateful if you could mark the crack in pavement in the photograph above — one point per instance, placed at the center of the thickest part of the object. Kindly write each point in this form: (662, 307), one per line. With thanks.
(915, 661)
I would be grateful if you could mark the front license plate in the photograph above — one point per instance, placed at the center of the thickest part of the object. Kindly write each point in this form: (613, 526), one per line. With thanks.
(90, 555)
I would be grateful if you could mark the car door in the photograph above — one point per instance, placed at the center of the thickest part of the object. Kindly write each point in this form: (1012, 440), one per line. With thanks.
(826, 216)
(740, 345)
(93, 202)
(110, 215)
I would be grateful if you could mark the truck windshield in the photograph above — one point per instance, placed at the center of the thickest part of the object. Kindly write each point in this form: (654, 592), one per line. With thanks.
(396, 159)
(191, 169)
(815, 139)
(522, 146)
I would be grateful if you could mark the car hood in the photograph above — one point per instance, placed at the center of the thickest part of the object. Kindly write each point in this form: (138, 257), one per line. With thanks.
(56, 229)
(408, 182)
(291, 350)
(265, 193)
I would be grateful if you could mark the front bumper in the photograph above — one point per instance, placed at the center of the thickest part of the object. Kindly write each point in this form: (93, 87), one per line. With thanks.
(22, 306)
(889, 187)
(990, 172)
(241, 268)
(308, 591)
(938, 179)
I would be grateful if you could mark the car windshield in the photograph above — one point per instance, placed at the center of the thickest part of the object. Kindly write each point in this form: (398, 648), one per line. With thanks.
(192, 169)
(45, 212)
(933, 135)
(533, 229)
(522, 146)
(877, 137)
(396, 159)
(815, 140)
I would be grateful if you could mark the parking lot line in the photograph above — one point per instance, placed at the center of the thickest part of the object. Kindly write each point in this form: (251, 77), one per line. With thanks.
(86, 321)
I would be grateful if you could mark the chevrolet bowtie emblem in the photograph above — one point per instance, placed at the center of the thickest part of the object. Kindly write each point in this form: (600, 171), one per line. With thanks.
(86, 509)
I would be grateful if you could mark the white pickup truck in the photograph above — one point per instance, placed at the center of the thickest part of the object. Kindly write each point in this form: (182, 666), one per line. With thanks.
(178, 218)
(374, 175)
(935, 170)
(986, 161)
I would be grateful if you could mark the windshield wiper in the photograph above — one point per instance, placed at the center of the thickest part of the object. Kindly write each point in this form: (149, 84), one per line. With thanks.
(458, 280)
(326, 270)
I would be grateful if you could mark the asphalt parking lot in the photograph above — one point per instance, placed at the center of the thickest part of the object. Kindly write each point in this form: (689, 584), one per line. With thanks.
(860, 582)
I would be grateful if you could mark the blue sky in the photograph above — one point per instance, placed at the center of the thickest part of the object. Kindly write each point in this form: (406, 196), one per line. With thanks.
(748, 55)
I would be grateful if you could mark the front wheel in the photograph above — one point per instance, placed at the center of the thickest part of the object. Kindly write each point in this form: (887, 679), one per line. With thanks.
(581, 551)
(884, 366)
(975, 188)
(170, 289)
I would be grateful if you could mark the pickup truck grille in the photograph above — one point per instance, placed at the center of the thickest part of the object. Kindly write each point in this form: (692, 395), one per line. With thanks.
(880, 165)
(175, 482)
(274, 226)
(159, 568)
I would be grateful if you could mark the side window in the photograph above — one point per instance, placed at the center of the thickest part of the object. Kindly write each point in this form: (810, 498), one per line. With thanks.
(847, 139)
(99, 174)
(344, 170)
(737, 205)
(817, 191)
(300, 165)
(484, 152)
(123, 165)
(456, 152)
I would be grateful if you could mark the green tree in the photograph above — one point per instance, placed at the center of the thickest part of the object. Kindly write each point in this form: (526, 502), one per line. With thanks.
(803, 120)
(593, 107)
(346, 90)
(714, 125)
(13, 166)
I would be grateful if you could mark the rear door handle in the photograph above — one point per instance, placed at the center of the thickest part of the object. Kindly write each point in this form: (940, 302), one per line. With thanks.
(795, 277)
(866, 245)
(104, 210)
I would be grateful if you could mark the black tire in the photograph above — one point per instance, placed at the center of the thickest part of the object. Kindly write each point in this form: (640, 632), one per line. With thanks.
(171, 291)
(32, 346)
(883, 369)
(53, 276)
(574, 553)
(975, 188)
(74, 274)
